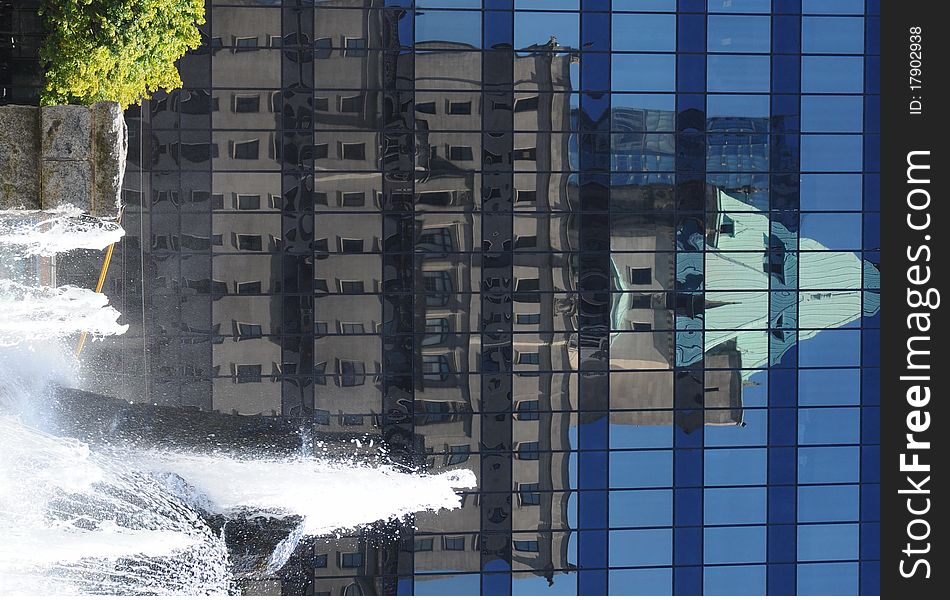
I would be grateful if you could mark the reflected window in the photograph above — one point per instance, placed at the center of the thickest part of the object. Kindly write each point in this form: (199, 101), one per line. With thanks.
(351, 560)
(437, 284)
(528, 494)
(528, 318)
(436, 198)
(435, 240)
(251, 243)
(426, 107)
(458, 454)
(320, 374)
(527, 196)
(352, 373)
(353, 199)
(247, 150)
(640, 275)
(435, 367)
(528, 410)
(250, 103)
(354, 47)
(248, 202)
(453, 543)
(460, 153)
(352, 328)
(353, 151)
(526, 241)
(525, 154)
(527, 290)
(321, 103)
(351, 245)
(243, 44)
(529, 358)
(460, 108)
(527, 546)
(319, 328)
(248, 373)
(527, 104)
(249, 331)
(321, 151)
(436, 330)
(248, 287)
(421, 544)
(351, 286)
(528, 451)
(351, 104)
(322, 47)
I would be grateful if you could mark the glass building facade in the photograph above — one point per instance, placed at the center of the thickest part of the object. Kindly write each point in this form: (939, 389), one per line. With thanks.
(618, 258)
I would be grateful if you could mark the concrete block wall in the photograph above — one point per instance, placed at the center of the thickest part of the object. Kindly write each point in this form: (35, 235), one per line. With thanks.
(56, 155)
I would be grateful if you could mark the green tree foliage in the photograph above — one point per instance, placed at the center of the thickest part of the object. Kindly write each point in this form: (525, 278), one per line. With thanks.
(119, 50)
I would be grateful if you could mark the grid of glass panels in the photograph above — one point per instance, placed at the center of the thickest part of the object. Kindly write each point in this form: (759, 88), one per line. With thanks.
(618, 258)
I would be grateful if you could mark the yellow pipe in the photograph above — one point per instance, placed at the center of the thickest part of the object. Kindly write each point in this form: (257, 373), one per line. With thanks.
(99, 284)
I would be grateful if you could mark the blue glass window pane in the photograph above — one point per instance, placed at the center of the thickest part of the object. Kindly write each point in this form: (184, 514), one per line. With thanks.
(642, 582)
(640, 508)
(727, 545)
(825, 153)
(728, 33)
(740, 6)
(449, 26)
(754, 433)
(735, 466)
(828, 503)
(829, 464)
(723, 506)
(832, 35)
(833, 7)
(832, 114)
(828, 579)
(835, 231)
(641, 469)
(831, 192)
(727, 73)
(638, 436)
(643, 72)
(832, 74)
(448, 585)
(562, 584)
(640, 547)
(829, 386)
(829, 426)
(746, 105)
(831, 348)
(658, 102)
(741, 580)
(644, 33)
(536, 28)
(546, 4)
(645, 5)
(828, 542)
(449, 3)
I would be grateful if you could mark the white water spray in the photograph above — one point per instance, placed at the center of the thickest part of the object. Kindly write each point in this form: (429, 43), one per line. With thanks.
(45, 233)
(30, 313)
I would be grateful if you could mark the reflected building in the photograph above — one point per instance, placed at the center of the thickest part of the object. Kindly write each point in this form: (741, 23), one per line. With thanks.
(474, 246)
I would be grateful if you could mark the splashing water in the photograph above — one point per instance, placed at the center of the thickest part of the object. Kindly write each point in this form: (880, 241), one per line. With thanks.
(74, 522)
(330, 496)
(120, 520)
(32, 313)
(45, 233)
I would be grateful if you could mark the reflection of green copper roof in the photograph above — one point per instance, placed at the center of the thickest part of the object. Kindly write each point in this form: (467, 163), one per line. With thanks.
(824, 286)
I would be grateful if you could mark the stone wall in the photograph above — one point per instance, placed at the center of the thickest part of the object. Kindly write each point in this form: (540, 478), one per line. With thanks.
(58, 155)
